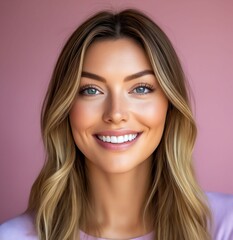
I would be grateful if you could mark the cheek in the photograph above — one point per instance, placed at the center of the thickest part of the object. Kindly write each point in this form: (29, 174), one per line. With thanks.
(81, 118)
(153, 113)
(77, 117)
(153, 118)
(82, 115)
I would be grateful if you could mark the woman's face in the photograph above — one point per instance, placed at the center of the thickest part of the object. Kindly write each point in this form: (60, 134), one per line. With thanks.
(118, 116)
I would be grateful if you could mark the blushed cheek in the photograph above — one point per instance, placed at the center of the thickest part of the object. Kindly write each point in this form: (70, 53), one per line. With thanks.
(152, 113)
(76, 116)
(83, 115)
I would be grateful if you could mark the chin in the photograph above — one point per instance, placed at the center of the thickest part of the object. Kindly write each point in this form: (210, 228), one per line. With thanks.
(118, 166)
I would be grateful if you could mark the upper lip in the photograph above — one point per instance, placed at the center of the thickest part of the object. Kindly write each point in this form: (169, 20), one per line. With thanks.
(116, 132)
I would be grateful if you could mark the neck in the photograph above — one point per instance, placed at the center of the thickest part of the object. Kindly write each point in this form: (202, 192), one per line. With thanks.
(118, 201)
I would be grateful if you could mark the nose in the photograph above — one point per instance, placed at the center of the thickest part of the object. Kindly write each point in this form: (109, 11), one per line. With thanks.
(116, 109)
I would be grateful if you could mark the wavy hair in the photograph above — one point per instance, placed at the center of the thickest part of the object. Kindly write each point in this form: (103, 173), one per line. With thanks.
(59, 196)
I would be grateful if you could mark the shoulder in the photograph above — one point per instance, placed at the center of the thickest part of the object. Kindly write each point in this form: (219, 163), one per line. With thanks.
(221, 206)
(18, 228)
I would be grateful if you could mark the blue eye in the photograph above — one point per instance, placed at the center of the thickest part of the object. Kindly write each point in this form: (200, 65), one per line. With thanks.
(143, 89)
(89, 91)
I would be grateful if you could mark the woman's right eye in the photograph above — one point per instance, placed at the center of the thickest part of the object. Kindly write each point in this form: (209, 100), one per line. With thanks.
(89, 91)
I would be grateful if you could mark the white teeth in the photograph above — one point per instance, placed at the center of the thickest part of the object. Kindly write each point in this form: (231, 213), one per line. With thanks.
(118, 139)
(130, 137)
(113, 139)
(126, 138)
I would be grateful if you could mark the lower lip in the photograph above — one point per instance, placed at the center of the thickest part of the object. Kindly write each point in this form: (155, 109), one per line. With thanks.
(117, 146)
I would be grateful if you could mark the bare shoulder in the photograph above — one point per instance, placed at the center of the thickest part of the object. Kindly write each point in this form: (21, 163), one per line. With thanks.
(18, 228)
(221, 206)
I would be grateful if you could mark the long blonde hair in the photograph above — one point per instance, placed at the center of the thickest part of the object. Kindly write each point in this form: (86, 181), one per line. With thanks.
(59, 196)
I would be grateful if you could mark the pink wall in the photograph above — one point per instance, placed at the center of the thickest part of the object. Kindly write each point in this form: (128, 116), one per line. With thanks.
(32, 34)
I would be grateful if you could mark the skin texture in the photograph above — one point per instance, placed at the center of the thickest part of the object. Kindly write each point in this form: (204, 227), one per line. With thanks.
(115, 101)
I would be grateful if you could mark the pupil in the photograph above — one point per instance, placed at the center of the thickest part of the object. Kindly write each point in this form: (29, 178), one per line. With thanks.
(91, 91)
(140, 90)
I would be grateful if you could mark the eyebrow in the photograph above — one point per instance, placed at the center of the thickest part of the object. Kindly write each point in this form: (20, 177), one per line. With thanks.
(128, 78)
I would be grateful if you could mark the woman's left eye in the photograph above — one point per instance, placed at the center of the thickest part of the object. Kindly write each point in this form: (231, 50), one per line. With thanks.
(142, 89)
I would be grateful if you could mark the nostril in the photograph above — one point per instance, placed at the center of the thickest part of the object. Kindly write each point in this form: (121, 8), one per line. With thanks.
(116, 108)
(115, 116)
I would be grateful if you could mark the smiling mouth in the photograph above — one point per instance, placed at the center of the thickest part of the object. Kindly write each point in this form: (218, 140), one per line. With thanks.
(118, 139)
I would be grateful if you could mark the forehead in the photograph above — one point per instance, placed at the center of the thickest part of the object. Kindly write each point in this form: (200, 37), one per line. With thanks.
(120, 54)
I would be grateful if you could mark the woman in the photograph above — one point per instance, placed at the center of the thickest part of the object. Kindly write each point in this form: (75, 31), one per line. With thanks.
(119, 135)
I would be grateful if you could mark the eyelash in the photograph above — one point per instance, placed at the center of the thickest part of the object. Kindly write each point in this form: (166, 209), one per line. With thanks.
(149, 87)
(87, 87)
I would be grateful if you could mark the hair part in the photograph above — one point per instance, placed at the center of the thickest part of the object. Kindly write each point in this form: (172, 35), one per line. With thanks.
(176, 201)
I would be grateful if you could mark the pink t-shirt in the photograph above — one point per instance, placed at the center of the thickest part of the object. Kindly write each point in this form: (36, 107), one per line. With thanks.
(221, 205)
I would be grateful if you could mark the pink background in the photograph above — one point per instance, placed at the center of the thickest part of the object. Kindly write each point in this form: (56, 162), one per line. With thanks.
(32, 34)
